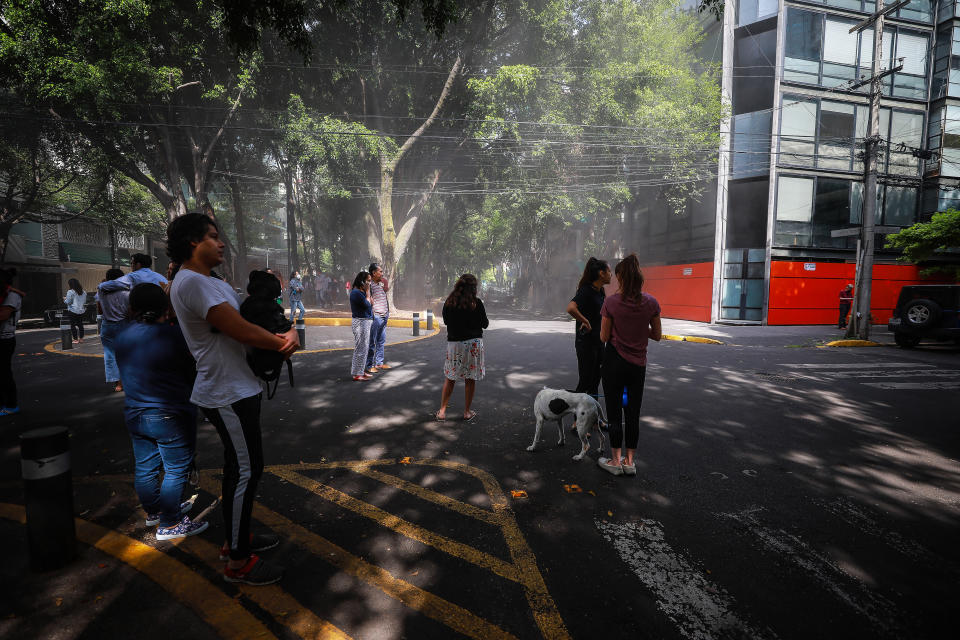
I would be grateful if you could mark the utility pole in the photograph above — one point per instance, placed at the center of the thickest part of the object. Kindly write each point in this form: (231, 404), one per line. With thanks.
(859, 325)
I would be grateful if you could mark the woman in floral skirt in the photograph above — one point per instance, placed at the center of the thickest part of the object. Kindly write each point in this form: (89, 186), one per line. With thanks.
(465, 319)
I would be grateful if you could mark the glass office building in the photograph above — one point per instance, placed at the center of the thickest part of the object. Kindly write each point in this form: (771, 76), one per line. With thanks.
(791, 165)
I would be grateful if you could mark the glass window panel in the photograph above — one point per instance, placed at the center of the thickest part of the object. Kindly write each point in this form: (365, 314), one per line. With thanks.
(866, 50)
(753, 314)
(730, 313)
(756, 255)
(798, 118)
(835, 150)
(792, 234)
(751, 143)
(769, 7)
(950, 155)
(913, 49)
(900, 205)
(856, 203)
(839, 45)
(733, 271)
(794, 199)
(804, 34)
(732, 289)
(746, 11)
(754, 292)
(856, 5)
(733, 256)
(919, 10)
(755, 270)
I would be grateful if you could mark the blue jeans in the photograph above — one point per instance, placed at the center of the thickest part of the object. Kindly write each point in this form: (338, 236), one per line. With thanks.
(378, 336)
(294, 305)
(109, 330)
(163, 440)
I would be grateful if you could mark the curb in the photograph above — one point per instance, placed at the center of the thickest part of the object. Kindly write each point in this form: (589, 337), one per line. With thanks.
(346, 322)
(853, 343)
(696, 339)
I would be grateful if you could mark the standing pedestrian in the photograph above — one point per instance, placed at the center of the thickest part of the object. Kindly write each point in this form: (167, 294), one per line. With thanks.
(361, 310)
(140, 271)
(10, 304)
(76, 301)
(226, 389)
(115, 308)
(158, 372)
(585, 309)
(846, 300)
(465, 319)
(629, 319)
(296, 295)
(381, 313)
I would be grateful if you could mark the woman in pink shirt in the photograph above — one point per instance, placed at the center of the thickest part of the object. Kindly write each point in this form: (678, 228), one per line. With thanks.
(628, 320)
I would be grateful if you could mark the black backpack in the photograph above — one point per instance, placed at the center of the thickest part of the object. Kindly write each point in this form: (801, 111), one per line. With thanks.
(261, 309)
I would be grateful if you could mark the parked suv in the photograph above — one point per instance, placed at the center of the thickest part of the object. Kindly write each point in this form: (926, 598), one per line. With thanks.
(52, 315)
(926, 311)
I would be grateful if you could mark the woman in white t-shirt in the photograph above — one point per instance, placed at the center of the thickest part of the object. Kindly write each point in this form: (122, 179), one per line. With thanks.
(76, 301)
(10, 302)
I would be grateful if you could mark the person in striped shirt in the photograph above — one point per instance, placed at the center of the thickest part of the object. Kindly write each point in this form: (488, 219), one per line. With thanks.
(381, 313)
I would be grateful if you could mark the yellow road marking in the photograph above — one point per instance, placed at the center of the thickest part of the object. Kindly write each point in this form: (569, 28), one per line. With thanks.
(401, 526)
(220, 611)
(443, 611)
(283, 607)
(49, 348)
(541, 604)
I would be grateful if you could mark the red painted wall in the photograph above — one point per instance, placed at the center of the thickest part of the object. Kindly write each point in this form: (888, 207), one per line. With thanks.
(798, 296)
(684, 297)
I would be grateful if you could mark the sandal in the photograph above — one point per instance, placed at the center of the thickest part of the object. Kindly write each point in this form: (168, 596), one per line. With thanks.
(469, 416)
(438, 417)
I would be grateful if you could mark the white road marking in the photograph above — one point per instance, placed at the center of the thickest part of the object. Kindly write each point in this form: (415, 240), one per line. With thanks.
(877, 610)
(859, 518)
(862, 365)
(900, 373)
(701, 610)
(918, 386)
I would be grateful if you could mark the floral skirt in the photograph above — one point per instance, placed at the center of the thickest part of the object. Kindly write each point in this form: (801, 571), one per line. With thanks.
(464, 360)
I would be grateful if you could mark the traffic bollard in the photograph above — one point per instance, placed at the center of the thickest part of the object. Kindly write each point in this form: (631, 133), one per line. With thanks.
(66, 336)
(99, 323)
(48, 497)
(429, 320)
(416, 323)
(302, 333)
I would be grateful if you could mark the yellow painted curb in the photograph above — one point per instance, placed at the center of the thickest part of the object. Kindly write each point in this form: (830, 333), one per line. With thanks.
(853, 343)
(50, 348)
(696, 339)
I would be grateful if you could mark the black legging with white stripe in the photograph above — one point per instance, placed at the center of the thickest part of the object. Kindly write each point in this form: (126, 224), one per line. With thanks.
(239, 428)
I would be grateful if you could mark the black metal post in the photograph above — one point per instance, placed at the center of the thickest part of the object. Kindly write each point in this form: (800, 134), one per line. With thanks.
(302, 333)
(416, 323)
(429, 320)
(66, 337)
(48, 497)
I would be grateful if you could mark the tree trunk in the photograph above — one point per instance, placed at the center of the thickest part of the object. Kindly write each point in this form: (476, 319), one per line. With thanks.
(240, 264)
(293, 262)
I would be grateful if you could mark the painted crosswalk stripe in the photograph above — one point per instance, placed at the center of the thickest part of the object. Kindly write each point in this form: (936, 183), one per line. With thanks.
(918, 386)
(880, 612)
(860, 365)
(700, 609)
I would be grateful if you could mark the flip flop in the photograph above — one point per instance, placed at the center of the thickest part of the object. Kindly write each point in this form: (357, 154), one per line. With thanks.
(436, 416)
(468, 418)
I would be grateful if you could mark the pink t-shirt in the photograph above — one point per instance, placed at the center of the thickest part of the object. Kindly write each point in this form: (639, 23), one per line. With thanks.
(631, 325)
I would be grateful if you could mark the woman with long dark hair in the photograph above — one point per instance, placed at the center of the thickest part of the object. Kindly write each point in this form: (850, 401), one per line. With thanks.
(76, 301)
(629, 319)
(585, 309)
(361, 310)
(465, 319)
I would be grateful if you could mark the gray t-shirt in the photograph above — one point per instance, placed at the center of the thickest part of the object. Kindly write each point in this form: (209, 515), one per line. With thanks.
(9, 327)
(223, 376)
(115, 305)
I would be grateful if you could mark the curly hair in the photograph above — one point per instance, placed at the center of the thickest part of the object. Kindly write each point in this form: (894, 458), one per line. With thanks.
(464, 294)
(188, 228)
(630, 278)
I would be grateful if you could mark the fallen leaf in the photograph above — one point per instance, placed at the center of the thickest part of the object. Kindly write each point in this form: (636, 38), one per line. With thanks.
(58, 601)
(102, 565)
(98, 599)
(591, 492)
(405, 460)
(417, 572)
(610, 513)
(518, 493)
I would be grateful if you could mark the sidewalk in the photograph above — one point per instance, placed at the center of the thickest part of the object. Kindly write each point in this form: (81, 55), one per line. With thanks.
(766, 335)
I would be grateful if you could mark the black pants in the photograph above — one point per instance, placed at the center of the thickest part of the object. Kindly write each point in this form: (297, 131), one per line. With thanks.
(76, 325)
(8, 387)
(589, 357)
(618, 374)
(844, 310)
(239, 428)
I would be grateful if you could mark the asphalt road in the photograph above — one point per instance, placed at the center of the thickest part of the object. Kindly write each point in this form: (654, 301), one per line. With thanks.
(783, 490)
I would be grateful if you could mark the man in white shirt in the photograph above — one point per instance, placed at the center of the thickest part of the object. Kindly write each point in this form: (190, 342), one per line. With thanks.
(225, 389)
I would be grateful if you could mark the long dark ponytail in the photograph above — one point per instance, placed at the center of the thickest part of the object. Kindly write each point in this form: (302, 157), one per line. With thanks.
(74, 284)
(592, 271)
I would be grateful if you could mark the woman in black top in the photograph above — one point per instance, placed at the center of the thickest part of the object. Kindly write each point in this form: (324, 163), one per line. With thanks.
(465, 319)
(585, 309)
